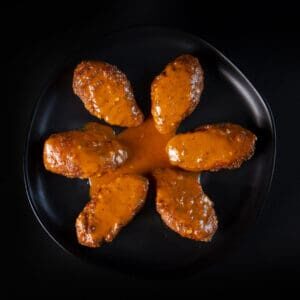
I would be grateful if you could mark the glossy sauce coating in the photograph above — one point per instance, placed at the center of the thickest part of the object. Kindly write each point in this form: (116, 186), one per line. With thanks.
(110, 209)
(114, 165)
(83, 153)
(176, 92)
(146, 152)
(211, 147)
(106, 93)
(183, 206)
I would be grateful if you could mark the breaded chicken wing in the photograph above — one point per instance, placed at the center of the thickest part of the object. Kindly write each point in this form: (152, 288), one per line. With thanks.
(211, 147)
(106, 93)
(83, 153)
(183, 206)
(112, 208)
(176, 92)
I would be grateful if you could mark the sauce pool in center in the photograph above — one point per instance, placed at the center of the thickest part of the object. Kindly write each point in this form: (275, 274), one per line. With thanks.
(146, 147)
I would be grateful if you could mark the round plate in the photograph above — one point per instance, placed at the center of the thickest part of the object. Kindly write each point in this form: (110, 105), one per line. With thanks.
(146, 245)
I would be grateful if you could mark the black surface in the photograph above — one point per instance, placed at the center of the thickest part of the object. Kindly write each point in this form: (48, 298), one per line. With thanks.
(262, 40)
(146, 245)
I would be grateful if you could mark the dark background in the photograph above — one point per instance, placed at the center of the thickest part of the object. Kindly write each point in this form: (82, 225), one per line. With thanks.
(263, 41)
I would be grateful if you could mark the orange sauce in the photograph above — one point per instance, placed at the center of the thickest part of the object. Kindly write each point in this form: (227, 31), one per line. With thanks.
(147, 152)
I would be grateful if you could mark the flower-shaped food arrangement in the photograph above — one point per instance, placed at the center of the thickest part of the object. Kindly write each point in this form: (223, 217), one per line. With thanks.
(116, 165)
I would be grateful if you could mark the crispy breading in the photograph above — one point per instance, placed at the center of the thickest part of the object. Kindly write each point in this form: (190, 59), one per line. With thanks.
(176, 92)
(115, 204)
(106, 93)
(183, 206)
(83, 153)
(212, 147)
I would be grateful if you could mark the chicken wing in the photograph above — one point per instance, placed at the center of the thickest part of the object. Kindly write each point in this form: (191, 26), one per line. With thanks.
(106, 93)
(176, 92)
(83, 153)
(112, 208)
(212, 147)
(183, 206)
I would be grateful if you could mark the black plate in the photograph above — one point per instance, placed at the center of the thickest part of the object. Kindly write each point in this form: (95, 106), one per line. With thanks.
(146, 245)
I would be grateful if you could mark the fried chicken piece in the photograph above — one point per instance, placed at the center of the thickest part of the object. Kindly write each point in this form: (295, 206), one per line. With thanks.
(212, 147)
(101, 131)
(176, 92)
(106, 93)
(111, 209)
(183, 206)
(83, 153)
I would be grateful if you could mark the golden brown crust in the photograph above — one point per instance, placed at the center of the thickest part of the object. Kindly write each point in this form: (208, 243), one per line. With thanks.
(83, 153)
(183, 206)
(106, 93)
(212, 147)
(111, 209)
(176, 92)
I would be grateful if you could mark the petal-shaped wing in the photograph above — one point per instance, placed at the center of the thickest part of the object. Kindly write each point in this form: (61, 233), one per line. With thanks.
(176, 92)
(83, 153)
(183, 206)
(212, 147)
(115, 204)
(106, 93)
